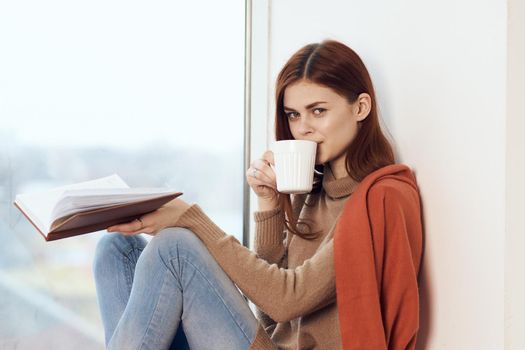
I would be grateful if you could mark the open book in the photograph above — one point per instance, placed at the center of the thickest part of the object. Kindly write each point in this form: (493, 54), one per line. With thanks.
(89, 206)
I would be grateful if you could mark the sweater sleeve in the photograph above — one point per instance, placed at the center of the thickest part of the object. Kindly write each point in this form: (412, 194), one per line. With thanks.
(270, 235)
(282, 294)
(269, 244)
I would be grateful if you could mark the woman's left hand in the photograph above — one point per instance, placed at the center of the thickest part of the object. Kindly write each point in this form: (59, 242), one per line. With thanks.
(152, 223)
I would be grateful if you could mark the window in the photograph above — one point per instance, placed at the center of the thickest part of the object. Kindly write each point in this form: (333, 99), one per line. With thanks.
(151, 91)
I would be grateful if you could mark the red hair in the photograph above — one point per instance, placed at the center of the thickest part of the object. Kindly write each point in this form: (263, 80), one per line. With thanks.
(336, 66)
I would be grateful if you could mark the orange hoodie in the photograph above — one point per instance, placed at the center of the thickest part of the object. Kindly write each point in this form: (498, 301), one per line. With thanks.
(377, 253)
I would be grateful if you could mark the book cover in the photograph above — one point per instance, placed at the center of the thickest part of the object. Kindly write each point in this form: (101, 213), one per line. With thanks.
(89, 206)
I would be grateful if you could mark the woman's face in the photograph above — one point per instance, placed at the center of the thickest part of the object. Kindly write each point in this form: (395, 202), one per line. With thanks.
(317, 113)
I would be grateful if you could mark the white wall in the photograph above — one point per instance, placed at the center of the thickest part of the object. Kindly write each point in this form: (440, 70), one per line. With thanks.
(439, 70)
(515, 239)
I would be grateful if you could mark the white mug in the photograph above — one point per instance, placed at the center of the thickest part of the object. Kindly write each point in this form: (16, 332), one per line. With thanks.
(294, 165)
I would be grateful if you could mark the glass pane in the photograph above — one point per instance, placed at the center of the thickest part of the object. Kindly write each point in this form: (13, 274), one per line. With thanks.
(151, 91)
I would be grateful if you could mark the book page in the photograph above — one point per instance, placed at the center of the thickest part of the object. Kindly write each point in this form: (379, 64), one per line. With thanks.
(39, 206)
(75, 201)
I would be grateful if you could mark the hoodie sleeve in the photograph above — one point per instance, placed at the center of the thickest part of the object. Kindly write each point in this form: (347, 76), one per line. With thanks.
(381, 240)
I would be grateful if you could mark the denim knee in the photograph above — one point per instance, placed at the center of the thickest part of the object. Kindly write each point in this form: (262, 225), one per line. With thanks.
(116, 244)
(175, 240)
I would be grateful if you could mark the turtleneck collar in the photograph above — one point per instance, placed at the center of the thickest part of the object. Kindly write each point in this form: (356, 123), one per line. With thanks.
(337, 188)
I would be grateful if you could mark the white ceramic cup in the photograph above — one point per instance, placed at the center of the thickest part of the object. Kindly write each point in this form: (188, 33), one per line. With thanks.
(294, 165)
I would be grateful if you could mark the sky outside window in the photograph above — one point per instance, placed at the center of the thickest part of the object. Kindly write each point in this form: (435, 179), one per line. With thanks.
(152, 91)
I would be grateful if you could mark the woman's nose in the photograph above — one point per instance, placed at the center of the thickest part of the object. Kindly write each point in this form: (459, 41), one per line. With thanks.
(305, 127)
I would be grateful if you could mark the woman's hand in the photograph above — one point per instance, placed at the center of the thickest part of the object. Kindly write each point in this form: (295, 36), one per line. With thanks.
(261, 178)
(152, 223)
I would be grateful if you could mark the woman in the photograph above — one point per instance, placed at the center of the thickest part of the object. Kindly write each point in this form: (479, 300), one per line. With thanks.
(355, 238)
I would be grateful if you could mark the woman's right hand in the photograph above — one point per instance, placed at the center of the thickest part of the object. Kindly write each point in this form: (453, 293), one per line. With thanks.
(261, 178)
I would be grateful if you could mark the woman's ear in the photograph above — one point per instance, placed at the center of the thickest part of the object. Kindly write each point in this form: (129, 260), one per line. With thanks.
(364, 105)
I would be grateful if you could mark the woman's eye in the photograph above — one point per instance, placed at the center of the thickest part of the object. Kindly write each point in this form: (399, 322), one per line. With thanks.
(321, 110)
(290, 115)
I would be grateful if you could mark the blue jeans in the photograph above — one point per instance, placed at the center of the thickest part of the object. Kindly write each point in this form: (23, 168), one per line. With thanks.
(169, 293)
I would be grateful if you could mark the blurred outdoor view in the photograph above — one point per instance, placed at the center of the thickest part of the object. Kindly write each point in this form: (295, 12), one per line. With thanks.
(152, 91)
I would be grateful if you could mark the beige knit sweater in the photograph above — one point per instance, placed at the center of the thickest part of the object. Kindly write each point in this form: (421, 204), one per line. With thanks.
(291, 280)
